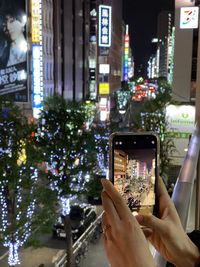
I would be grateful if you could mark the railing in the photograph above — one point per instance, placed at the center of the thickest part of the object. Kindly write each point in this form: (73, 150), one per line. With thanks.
(183, 189)
(82, 242)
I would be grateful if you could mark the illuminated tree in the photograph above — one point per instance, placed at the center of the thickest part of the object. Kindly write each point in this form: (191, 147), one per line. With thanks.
(68, 152)
(18, 181)
(152, 117)
(100, 133)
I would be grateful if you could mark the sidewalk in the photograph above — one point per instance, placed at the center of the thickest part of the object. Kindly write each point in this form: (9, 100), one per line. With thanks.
(34, 257)
(95, 256)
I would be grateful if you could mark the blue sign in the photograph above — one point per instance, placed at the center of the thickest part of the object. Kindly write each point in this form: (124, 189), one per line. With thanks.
(105, 23)
(37, 79)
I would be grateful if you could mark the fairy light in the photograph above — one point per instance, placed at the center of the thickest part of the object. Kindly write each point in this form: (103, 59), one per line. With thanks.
(65, 206)
(18, 242)
(14, 240)
(13, 257)
(56, 163)
(102, 153)
(122, 98)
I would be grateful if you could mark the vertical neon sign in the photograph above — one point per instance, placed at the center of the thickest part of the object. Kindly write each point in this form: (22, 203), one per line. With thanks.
(105, 24)
(126, 54)
(37, 54)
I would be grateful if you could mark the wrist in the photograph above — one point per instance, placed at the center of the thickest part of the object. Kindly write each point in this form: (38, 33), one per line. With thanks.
(190, 257)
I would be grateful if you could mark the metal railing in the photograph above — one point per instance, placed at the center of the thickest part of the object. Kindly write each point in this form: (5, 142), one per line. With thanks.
(83, 241)
(182, 193)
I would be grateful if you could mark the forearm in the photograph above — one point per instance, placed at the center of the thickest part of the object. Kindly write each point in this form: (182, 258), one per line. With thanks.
(190, 258)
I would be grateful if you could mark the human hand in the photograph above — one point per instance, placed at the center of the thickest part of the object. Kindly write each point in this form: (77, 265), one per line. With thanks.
(167, 234)
(124, 241)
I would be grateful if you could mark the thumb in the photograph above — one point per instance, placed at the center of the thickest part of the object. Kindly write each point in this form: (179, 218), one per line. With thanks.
(149, 221)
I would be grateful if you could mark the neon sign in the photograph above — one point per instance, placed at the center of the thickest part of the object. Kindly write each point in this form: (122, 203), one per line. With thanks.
(37, 53)
(126, 55)
(105, 18)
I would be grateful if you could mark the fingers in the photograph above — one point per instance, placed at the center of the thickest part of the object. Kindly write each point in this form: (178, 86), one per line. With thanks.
(106, 227)
(150, 221)
(162, 191)
(147, 232)
(110, 210)
(166, 206)
(119, 203)
(163, 196)
(104, 220)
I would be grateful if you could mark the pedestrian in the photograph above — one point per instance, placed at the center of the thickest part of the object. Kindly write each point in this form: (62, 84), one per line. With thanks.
(124, 239)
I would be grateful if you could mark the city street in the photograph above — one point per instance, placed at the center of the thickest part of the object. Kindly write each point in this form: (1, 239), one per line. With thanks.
(92, 90)
(30, 257)
(53, 248)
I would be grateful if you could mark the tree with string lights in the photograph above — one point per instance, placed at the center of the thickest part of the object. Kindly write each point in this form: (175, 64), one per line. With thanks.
(18, 181)
(68, 152)
(100, 133)
(152, 117)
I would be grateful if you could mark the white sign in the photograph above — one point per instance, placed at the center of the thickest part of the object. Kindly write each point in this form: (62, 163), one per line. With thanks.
(103, 103)
(181, 120)
(189, 17)
(105, 22)
(104, 68)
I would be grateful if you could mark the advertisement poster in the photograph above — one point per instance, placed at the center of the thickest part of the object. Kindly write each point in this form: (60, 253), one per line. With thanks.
(13, 50)
(181, 122)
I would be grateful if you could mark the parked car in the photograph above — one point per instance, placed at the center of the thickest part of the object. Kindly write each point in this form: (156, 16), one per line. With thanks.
(81, 216)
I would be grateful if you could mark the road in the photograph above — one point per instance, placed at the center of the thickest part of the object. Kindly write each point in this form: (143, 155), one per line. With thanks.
(33, 257)
(49, 250)
(95, 257)
(30, 257)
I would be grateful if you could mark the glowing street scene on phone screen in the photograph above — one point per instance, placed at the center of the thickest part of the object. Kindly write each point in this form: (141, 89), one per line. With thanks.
(134, 178)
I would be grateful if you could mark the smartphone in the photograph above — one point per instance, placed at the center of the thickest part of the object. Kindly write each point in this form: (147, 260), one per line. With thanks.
(133, 169)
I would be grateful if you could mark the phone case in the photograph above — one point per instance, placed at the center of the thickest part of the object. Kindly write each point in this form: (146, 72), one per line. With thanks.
(111, 157)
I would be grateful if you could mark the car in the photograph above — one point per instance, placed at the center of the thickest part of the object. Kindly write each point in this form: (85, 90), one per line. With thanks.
(81, 216)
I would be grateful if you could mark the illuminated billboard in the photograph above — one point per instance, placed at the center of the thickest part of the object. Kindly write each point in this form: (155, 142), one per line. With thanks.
(105, 24)
(104, 88)
(104, 68)
(13, 50)
(103, 107)
(126, 56)
(189, 17)
(37, 53)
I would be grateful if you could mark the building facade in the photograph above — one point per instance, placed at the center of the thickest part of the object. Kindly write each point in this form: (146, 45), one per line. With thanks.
(181, 86)
(164, 31)
(63, 53)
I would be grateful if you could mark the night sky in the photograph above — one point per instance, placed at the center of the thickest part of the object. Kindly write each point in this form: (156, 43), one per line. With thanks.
(142, 19)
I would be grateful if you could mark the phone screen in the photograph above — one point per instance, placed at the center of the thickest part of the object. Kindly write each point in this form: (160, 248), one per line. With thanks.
(134, 166)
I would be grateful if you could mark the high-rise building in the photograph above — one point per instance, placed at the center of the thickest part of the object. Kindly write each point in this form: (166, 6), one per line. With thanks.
(186, 16)
(71, 22)
(83, 66)
(62, 52)
(164, 31)
(153, 66)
